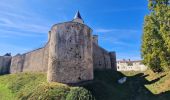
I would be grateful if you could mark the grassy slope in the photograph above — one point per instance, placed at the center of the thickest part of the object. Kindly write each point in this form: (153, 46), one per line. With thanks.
(139, 86)
(20, 84)
(5, 93)
(33, 86)
(160, 86)
(104, 86)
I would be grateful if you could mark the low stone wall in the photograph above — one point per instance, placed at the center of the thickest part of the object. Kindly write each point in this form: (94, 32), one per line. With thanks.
(101, 58)
(34, 61)
(5, 62)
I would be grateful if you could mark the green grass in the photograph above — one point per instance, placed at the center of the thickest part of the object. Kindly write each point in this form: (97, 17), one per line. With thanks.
(160, 86)
(33, 86)
(20, 84)
(5, 93)
(139, 86)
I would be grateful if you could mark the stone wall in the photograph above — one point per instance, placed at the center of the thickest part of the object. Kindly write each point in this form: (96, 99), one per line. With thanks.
(101, 58)
(95, 39)
(70, 53)
(34, 61)
(5, 62)
(113, 60)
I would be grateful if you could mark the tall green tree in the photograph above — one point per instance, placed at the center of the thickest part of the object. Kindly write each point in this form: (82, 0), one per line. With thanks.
(155, 49)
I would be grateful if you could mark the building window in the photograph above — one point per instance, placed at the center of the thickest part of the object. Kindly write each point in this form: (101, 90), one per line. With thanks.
(130, 64)
(140, 63)
(100, 63)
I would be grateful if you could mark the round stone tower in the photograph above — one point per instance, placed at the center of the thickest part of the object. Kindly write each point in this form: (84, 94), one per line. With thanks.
(70, 52)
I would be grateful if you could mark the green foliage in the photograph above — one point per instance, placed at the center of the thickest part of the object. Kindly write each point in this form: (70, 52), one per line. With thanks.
(155, 48)
(47, 91)
(79, 93)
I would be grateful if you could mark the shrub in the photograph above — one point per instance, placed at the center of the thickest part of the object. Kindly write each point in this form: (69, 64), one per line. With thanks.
(47, 91)
(79, 93)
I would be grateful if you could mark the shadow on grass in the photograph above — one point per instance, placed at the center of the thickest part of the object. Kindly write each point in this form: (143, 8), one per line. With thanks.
(106, 87)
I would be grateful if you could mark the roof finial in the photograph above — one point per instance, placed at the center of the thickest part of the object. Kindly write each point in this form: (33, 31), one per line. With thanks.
(77, 15)
(78, 18)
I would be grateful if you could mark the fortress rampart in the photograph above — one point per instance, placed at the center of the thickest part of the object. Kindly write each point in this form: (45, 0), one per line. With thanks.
(71, 55)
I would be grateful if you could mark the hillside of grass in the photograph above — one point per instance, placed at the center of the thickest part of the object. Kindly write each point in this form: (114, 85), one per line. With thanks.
(33, 86)
(139, 86)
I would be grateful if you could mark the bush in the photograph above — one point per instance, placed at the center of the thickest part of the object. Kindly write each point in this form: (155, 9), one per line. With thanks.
(56, 91)
(47, 91)
(79, 93)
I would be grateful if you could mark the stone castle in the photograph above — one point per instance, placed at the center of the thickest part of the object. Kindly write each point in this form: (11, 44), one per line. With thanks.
(70, 55)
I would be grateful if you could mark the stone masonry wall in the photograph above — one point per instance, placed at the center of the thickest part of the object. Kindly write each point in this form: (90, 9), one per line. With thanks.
(113, 60)
(17, 63)
(70, 53)
(101, 58)
(34, 61)
(5, 62)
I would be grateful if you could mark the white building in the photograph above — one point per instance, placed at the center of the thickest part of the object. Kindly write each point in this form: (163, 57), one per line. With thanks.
(127, 65)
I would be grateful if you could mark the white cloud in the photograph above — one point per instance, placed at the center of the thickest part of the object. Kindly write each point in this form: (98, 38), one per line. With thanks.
(16, 20)
(7, 33)
(115, 41)
(32, 28)
(5, 21)
(117, 36)
(25, 26)
(104, 30)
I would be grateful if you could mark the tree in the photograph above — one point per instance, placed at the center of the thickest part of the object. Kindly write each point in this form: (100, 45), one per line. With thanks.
(155, 49)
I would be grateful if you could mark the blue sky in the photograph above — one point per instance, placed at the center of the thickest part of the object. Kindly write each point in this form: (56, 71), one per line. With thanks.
(24, 24)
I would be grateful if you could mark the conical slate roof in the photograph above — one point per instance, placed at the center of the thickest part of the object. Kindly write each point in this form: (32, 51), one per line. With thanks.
(77, 15)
